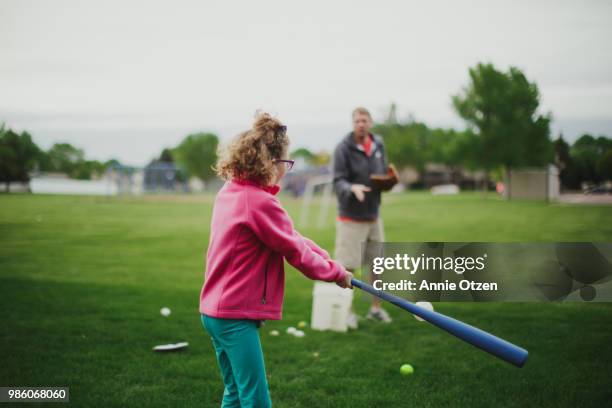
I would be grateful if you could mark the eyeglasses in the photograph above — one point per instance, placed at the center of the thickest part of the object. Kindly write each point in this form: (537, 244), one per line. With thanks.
(288, 163)
(281, 130)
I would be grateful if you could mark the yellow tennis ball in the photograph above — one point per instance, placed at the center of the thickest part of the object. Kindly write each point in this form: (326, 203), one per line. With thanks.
(406, 369)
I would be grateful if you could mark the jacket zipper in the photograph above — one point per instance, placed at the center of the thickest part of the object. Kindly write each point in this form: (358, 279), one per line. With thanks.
(263, 297)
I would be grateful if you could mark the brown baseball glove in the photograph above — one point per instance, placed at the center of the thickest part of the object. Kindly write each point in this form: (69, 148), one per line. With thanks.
(385, 182)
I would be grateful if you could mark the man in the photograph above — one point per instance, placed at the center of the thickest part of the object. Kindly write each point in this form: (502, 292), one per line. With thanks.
(358, 156)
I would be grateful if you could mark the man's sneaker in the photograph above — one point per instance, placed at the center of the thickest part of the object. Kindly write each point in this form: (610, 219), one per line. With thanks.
(351, 321)
(379, 314)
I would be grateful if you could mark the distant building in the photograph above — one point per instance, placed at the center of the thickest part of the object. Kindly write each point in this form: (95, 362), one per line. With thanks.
(157, 177)
(536, 184)
(163, 177)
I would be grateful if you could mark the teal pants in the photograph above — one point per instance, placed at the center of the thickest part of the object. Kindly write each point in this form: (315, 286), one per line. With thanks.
(241, 361)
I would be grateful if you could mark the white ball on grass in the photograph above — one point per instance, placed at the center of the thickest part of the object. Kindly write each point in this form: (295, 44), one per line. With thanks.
(291, 330)
(299, 333)
(165, 311)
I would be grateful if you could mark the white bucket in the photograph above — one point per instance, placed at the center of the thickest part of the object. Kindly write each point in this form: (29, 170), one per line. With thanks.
(330, 307)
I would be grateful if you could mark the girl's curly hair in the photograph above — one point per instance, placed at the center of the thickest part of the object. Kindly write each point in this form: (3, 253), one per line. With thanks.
(251, 153)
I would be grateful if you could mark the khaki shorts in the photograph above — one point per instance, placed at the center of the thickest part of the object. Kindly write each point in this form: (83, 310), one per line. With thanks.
(351, 235)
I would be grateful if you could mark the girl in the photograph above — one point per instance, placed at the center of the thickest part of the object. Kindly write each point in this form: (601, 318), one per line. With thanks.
(250, 237)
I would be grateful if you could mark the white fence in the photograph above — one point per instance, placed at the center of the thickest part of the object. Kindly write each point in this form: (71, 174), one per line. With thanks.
(59, 185)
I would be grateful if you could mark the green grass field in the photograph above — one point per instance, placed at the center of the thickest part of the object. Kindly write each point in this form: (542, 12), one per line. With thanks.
(82, 280)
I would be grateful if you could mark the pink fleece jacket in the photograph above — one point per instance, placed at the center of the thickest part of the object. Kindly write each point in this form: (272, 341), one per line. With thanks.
(250, 237)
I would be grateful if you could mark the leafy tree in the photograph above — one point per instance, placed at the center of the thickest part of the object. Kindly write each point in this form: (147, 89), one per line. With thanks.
(415, 144)
(64, 158)
(111, 163)
(197, 153)
(85, 169)
(406, 143)
(18, 156)
(9, 166)
(604, 166)
(587, 153)
(464, 149)
(502, 108)
(166, 156)
(70, 160)
(567, 169)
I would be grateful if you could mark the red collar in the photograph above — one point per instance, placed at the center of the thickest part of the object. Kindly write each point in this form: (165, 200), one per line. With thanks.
(366, 145)
(273, 189)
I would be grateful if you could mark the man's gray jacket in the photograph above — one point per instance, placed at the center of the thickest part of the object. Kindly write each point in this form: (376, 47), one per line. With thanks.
(350, 166)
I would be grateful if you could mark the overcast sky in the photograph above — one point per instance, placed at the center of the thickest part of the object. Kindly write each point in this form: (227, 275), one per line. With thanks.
(125, 79)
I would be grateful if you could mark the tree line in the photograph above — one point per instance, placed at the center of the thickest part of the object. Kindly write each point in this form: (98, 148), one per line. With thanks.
(20, 156)
(193, 157)
(505, 130)
(587, 160)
